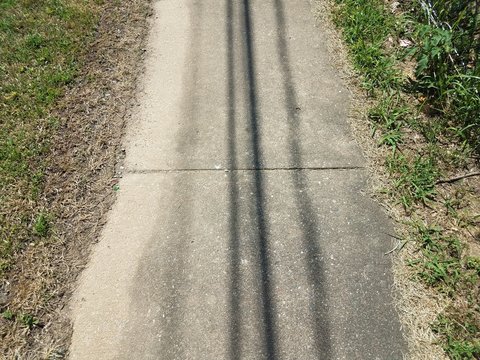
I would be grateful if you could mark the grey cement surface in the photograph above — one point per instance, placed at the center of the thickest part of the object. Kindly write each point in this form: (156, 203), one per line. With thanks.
(241, 230)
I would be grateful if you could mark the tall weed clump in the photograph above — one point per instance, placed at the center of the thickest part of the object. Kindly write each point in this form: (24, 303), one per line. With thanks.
(447, 37)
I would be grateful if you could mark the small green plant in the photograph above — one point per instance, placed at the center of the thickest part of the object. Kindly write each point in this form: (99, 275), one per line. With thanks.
(432, 54)
(441, 266)
(441, 272)
(42, 225)
(464, 97)
(29, 320)
(389, 115)
(8, 315)
(473, 263)
(413, 179)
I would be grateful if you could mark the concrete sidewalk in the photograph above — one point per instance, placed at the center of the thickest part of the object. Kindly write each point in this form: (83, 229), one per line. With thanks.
(241, 230)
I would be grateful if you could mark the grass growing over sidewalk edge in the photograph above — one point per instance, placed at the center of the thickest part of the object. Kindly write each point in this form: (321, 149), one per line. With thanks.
(67, 75)
(425, 145)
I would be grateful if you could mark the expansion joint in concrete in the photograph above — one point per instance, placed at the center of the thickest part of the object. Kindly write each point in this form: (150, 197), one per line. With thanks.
(196, 170)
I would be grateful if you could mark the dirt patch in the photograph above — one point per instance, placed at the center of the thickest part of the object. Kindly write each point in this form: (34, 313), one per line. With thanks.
(80, 185)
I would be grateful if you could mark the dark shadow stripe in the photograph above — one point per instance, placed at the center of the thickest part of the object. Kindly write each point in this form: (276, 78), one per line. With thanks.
(262, 226)
(234, 290)
(307, 215)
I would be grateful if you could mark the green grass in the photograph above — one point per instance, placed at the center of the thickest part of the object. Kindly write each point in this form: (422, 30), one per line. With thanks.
(444, 267)
(389, 115)
(41, 226)
(41, 44)
(460, 336)
(440, 107)
(366, 27)
(413, 178)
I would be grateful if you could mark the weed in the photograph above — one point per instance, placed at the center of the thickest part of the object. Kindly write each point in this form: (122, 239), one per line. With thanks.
(473, 263)
(448, 70)
(389, 115)
(441, 265)
(42, 225)
(8, 315)
(29, 320)
(413, 179)
(432, 54)
(441, 272)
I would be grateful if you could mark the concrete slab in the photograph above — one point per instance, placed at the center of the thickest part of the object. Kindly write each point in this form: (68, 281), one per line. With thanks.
(284, 265)
(207, 73)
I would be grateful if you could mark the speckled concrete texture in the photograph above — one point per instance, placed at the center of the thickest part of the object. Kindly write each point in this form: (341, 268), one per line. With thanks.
(241, 229)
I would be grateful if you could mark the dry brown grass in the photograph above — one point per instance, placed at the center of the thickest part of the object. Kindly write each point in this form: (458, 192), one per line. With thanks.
(78, 188)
